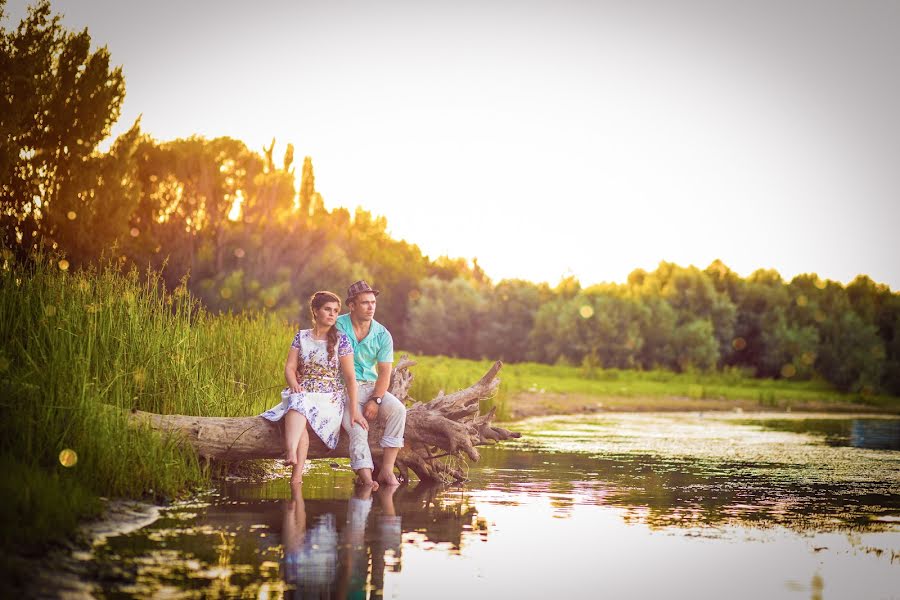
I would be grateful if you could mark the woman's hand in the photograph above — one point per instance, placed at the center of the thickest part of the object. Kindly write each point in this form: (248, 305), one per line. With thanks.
(356, 417)
(296, 388)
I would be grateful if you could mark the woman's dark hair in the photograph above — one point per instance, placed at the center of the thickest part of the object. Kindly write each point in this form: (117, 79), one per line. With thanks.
(317, 301)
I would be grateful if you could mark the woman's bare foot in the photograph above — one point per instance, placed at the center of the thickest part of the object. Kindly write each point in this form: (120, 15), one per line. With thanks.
(296, 476)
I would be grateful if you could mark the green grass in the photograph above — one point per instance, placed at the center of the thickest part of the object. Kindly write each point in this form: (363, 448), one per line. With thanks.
(435, 373)
(78, 351)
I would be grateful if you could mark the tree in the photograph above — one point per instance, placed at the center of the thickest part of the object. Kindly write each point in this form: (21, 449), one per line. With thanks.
(307, 188)
(851, 354)
(762, 301)
(692, 294)
(657, 327)
(555, 327)
(512, 306)
(608, 331)
(445, 318)
(396, 267)
(891, 378)
(788, 351)
(695, 346)
(58, 101)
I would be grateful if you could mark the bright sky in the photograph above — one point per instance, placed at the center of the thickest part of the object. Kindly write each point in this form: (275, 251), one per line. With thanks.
(552, 137)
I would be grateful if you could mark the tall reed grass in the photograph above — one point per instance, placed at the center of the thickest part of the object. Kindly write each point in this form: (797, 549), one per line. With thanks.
(78, 351)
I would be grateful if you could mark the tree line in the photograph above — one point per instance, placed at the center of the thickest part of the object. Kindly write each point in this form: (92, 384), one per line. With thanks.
(675, 317)
(248, 232)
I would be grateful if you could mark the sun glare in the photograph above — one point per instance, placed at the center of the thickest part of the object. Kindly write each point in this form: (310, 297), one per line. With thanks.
(235, 213)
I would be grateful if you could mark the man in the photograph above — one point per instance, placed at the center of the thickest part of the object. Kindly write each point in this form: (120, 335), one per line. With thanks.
(373, 357)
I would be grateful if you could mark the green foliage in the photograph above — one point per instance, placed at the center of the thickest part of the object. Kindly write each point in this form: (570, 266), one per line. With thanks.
(59, 100)
(243, 234)
(695, 345)
(851, 354)
(445, 317)
(41, 505)
(80, 350)
(510, 309)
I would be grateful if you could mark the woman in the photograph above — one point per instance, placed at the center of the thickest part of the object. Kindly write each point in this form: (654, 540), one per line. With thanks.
(316, 392)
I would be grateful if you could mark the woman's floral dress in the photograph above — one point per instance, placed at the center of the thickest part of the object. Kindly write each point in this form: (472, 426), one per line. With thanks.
(324, 395)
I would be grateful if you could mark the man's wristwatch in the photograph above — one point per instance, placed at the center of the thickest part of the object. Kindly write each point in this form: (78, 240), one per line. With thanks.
(377, 400)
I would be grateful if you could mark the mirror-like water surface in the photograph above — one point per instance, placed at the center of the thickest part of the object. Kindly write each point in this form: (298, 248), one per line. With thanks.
(621, 505)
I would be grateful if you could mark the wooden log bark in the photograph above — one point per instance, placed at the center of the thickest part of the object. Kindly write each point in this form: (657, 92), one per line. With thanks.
(440, 434)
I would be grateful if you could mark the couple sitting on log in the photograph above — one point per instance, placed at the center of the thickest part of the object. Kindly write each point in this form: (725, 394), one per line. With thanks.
(338, 373)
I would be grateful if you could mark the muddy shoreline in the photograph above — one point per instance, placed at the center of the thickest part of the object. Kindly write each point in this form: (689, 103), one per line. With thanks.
(66, 571)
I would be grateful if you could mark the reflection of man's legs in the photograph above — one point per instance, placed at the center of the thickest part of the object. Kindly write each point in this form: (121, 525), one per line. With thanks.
(360, 455)
(393, 412)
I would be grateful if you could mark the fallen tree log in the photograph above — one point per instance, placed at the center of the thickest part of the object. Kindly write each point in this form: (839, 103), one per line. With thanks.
(438, 433)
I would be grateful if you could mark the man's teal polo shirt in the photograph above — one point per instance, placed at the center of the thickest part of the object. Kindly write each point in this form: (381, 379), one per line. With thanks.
(376, 347)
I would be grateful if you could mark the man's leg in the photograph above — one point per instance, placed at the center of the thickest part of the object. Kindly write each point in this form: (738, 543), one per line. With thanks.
(360, 455)
(394, 414)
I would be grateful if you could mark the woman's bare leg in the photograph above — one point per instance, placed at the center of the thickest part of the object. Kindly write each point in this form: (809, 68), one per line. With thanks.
(302, 449)
(294, 425)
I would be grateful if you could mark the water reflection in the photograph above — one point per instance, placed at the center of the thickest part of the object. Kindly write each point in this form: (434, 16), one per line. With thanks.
(864, 432)
(878, 434)
(310, 555)
(267, 539)
(670, 491)
(583, 503)
(320, 563)
(687, 469)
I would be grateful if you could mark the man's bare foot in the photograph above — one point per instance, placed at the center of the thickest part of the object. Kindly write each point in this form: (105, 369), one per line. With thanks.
(363, 492)
(367, 482)
(388, 479)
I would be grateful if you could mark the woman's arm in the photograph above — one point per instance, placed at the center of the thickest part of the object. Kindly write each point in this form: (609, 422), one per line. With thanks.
(349, 373)
(290, 369)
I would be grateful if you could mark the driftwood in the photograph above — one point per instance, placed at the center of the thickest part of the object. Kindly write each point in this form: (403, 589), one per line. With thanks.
(438, 433)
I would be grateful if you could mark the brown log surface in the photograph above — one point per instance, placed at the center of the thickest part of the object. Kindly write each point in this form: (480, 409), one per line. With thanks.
(440, 434)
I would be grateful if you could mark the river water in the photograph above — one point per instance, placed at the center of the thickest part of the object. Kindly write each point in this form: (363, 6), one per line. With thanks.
(612, 505)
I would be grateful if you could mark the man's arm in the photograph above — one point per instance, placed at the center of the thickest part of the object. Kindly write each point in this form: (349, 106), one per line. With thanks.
(384, 378)
(370, 410)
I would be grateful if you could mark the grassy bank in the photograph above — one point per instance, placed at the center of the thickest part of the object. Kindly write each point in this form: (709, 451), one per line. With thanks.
(528, 389)
(78, 351)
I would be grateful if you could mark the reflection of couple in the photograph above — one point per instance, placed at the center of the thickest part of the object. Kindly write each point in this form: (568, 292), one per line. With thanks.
(320, 563)
(338, 373)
